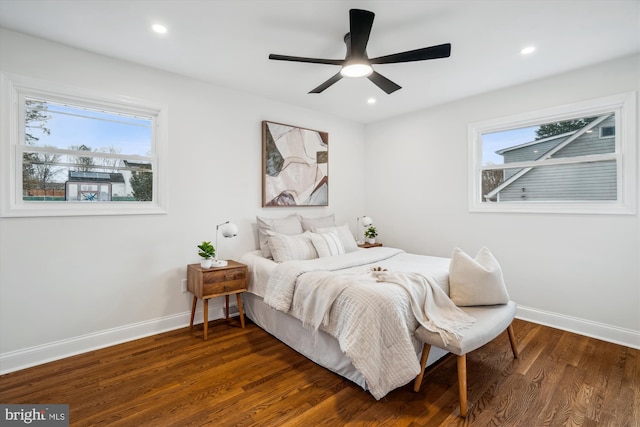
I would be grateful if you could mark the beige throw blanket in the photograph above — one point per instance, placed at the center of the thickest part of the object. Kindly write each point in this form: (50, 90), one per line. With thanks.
(430, 305)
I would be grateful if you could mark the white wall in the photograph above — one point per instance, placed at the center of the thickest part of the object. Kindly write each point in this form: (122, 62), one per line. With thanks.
(67, 299)
(576, 272)
(70, 284)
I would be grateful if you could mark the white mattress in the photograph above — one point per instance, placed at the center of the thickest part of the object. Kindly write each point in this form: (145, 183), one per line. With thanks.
(320, 347)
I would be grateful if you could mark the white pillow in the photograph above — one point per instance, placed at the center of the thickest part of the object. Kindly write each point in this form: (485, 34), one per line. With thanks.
(344, 234)
(308, 224)
(287, 225)
(476, 281)
(291, 248)
(327, 244)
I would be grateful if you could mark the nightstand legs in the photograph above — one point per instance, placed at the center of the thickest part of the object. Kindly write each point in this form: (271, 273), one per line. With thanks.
(193, 311)
(240, 310)
(206, 318)
(205, 314)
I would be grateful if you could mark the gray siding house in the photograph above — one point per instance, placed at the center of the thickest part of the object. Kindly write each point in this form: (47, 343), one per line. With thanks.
(566, 182)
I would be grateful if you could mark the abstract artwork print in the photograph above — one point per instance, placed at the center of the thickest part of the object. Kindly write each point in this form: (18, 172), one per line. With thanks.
(295, 164)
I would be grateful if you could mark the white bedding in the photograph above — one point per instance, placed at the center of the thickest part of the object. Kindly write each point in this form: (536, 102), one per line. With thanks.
(373, 323)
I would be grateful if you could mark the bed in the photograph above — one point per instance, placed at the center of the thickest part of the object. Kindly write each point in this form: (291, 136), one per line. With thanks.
(364, 331)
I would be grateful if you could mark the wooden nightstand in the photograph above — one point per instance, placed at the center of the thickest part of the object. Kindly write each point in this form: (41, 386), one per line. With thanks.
(369, 245)
(207, 283)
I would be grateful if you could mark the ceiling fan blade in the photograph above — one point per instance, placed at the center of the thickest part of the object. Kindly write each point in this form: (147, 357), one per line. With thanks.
(383, 83)
(433, 52)
(309, 60)
(328, 83)
(360, 23)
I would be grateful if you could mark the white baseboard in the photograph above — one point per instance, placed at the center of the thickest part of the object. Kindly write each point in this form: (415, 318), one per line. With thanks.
(25, 358)
(604, 332)
(32, 356)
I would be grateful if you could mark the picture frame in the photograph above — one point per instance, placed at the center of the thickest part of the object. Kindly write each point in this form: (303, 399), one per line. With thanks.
(295, 166)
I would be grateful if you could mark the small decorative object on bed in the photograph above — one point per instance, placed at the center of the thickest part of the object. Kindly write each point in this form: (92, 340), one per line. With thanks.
(295, 166)
(206, 252)
(371, 234)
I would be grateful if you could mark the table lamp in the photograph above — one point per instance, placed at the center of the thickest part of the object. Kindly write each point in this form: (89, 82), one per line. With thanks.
(363, 221)
(228, 229)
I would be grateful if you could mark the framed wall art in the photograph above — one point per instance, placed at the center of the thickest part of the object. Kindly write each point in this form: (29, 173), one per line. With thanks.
(295, 166)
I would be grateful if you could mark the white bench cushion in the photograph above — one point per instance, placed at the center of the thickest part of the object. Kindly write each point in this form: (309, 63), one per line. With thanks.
(491, 321)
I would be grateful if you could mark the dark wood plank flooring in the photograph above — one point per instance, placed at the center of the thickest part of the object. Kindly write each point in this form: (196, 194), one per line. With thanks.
(245, 377)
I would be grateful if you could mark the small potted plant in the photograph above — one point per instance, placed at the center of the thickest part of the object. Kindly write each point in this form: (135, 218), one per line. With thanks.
(371, 234)
(206, 252)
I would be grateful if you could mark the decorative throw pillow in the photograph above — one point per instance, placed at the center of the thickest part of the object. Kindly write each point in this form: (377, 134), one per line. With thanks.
(343, 233)
(308, 224)
(291, 248)
(476, 281)
(288, 225)
(327, 244)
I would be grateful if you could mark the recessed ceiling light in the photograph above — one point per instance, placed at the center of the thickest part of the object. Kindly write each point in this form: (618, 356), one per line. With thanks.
(159, 28)
(371, 101)
(527, 50)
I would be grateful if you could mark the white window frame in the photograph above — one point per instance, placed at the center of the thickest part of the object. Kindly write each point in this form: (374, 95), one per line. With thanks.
(624, 106)
(14, 89)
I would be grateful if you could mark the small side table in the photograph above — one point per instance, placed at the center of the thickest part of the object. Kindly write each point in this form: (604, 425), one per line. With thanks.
(207, 283)
(369, 245)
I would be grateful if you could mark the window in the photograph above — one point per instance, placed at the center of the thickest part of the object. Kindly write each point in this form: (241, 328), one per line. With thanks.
(607, 131)
(74, 153)
(573, 159)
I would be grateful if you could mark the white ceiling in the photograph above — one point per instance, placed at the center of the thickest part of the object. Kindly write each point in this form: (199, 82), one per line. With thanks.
(227, 42)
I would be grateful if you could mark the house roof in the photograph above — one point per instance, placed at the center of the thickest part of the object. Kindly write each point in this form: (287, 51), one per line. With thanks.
(534, 142)
(137, 165)
(85, 176)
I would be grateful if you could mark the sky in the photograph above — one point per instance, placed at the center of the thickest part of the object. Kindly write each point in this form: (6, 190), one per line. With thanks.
(97, 130)
(492, 142)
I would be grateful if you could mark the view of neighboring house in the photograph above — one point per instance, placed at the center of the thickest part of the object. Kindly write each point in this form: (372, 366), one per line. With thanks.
(110, 186)
(574, 181)
(94, 186)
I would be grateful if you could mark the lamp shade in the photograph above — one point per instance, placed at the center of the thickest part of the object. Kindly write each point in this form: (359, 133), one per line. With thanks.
(229, 229)
(366, 221)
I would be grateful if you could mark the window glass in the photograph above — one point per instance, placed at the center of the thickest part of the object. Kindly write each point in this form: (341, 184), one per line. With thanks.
(568, 159)
(575, 138)
(74, 153)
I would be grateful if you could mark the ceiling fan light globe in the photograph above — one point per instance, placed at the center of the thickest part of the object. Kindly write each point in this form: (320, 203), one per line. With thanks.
(356, 70)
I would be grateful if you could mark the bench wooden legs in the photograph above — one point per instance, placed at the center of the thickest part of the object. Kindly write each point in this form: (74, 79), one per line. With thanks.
(462, 384)
(512, 340)
(423, 362)
(462, 370)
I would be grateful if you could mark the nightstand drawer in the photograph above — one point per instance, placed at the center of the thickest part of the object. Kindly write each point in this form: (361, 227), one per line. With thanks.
(223, 275)
(224, 287)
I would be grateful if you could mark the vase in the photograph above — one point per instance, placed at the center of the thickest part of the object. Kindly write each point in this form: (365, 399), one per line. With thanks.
(371, 240)
(206, 263)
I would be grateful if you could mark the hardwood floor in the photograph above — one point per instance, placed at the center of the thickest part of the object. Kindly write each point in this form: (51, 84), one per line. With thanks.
(245, 377)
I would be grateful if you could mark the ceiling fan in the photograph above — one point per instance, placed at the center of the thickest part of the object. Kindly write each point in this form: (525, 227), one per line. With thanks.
(357, 63)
